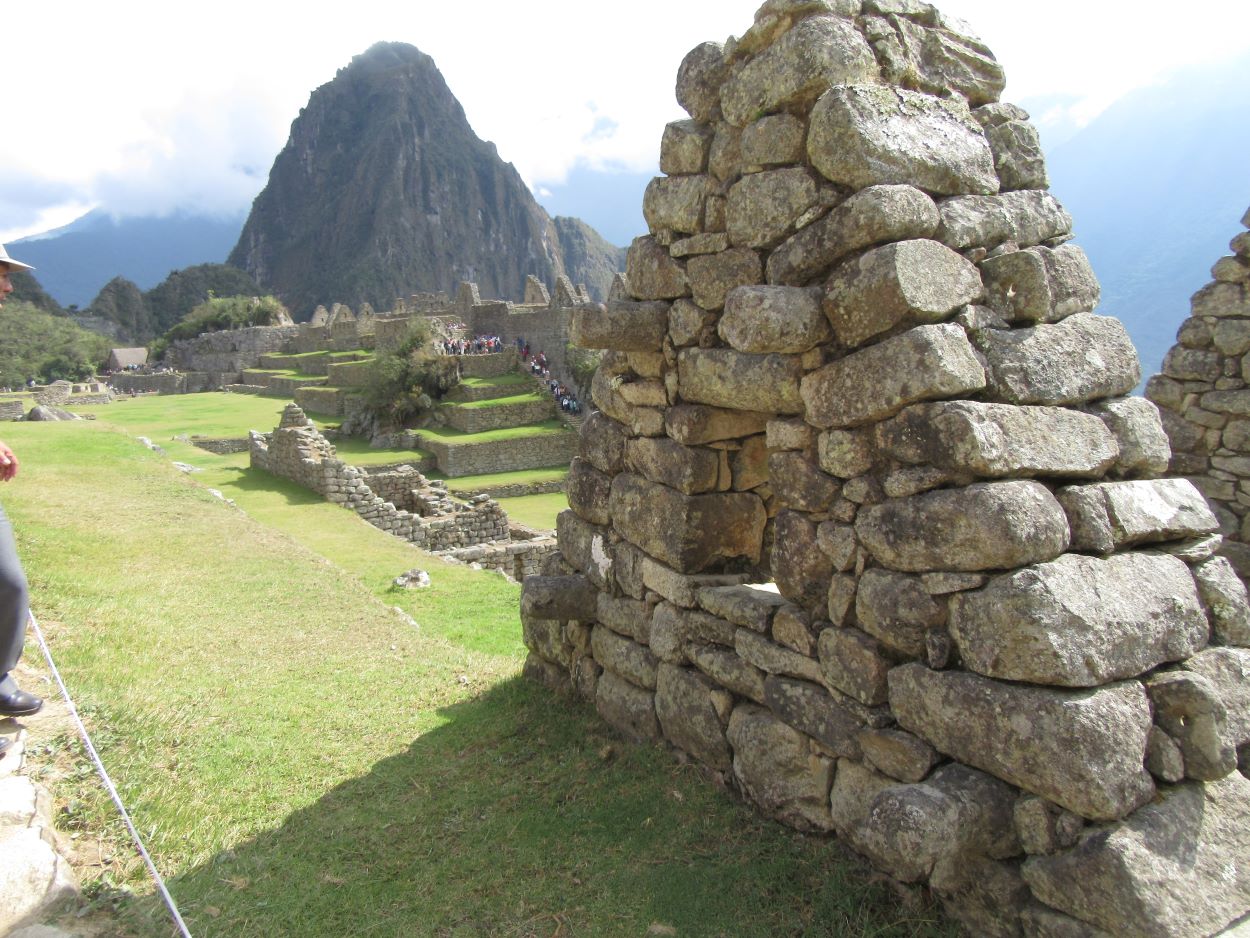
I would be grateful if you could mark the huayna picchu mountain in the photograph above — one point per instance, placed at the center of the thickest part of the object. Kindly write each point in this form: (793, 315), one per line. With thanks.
(383, 189)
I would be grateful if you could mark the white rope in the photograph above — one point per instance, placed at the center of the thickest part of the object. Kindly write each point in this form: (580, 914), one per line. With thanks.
(108, 782)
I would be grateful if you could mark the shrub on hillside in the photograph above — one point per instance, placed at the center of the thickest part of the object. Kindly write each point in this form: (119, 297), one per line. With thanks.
(220, 313)
(36, 344)
(583, 363)
(405, 383)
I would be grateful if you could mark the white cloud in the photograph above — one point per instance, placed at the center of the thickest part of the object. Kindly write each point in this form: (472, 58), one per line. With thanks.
(131, 105)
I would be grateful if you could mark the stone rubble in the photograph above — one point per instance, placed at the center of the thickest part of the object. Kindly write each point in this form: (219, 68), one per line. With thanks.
(866, 523)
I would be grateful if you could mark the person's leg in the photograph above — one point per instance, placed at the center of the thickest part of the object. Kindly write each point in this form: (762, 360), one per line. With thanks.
(14, 609)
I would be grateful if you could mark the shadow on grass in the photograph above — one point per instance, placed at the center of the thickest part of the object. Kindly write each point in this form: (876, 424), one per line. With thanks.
(247, 479)
(523, 815)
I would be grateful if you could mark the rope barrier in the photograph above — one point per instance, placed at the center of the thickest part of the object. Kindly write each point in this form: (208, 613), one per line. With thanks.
(108, 782)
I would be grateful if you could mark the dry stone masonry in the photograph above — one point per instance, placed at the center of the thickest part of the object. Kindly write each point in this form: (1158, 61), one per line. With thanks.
(1204, 396)
(866, 521)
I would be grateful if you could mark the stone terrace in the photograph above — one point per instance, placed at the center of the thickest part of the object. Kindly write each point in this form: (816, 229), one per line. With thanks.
(859, 364)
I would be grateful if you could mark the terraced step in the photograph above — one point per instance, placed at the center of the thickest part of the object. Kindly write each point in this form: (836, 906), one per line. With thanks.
(518, 410)
(311, 363)
(534, 447)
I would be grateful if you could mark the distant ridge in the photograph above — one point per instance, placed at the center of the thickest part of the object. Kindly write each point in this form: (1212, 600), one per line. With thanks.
(383, 189)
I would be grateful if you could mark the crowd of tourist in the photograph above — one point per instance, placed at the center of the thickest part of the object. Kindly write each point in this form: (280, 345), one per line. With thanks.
(478, 345)
(538, 364)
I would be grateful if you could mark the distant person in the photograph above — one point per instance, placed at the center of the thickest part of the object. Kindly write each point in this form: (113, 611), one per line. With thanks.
(14, 602)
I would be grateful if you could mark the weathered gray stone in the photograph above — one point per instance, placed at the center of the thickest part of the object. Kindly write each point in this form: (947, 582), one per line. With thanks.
(652, 274)
(925, 363)
(1039, 921)
(1026, 217)
(938, 61)
(1224, 596)
(690, 470)
(801, 570)
(627, 707)
(749, 465)
(684, 148)
(845, 453)
(1039, 284)
(776, 767)
(810, 708)
(621, 325)
(688, 532)
(623, 657)
(554, 677)
(694, 424)
(795, 629)
(1188, 708)
(855, 664)
(772, 658)
(854, 788)
(728, 670)
(681, 588)
(689, 324)
(773, 140)
(602, 443)
(797, 482)
(1164, 758)
(1190, 364)
(1043, 827)
(699, 80)
(897, 753)
(905, 282)
(1083, 750)
(995, 525)
(675, 203)
(897, 610)
(587, 489)
(1112, 515)
(1138, 431)
(1228, 670)
(1222, 299)
(727, 378)
(559, 597)
(1166, 870)
(712, 276)
(818, 52)
(985, 897)
(631, 617)
(545, 638)
(865, 135)
(683, 705)
(875, 215)
(751, 607)
(1080, 621)
(1018, 156)
(32, 876)
(787, 320)
(586, 547)
(998, 440)
(763, 207)
(1083, 358)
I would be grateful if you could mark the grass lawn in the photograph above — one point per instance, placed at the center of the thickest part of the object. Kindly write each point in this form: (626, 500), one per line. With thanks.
(528, 398)
(452, 437)
(520, 477)
(305, 761)
(501, 381)
(214, 414)
(536, 511)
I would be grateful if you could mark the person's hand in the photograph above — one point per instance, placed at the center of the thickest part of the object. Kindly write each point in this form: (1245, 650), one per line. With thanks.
(8, 463)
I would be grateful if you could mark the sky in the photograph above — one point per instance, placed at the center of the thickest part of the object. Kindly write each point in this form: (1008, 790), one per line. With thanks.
(143, 108)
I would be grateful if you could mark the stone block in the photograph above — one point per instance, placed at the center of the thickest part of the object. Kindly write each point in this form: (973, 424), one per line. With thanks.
(624, 657)
(1112, 515)
(866, 135)
(1083, 750)
(1224, 597)
(749, 465)
(1040, 284)
(1138, 431)
(621, 325)
(587, 489)
(1162, 872)
(898, 754)
(728, 670)
(1000, 440)
(694, 424)
(787, 320)
(1081, 359)
(681, 588)
(898, 611)
(793, 627)
(987, 526)
(545, 638)
(627, 707)
(675, 203)
(1188, 707)
(772, 658)
(777, 769)
(684, 707)
(727, 378)
(1080, 621)
(1228, 670)
(876, 215)
(1027, 217)
(684, 148)
(623, 614)
(559, 597)
(819, 52)
(1018, 157)
(907, 282)
(811, 709)
(802, 572)
(1222, 300)
(855, 787)
(774, 140)
(750, 607)
(937, 61)
(762, 208)
(687, 532)
(652, 273)
(798, 483)
(712, 276)
(602, 443)
(846, 454)
(690, 470)
(1044, 827)
(699, 80)
(586, 547)
(925, 363)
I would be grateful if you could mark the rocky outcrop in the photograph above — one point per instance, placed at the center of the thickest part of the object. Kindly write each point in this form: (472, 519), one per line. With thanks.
(383, 175)
(876, 533)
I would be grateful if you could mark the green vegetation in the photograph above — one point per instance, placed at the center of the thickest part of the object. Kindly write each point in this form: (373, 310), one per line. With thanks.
(37, 344)
(582, 364)
(405, 382)
(219, 313)
(304, 761)
(532, 397)
(512, 379)
(520, 477)
(450, 437)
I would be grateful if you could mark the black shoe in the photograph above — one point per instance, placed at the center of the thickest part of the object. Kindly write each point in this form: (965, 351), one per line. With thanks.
(5, 742)
(19, 704)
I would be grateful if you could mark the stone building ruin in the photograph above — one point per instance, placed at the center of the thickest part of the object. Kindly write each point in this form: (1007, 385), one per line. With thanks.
(867, 522)
(1204, 396)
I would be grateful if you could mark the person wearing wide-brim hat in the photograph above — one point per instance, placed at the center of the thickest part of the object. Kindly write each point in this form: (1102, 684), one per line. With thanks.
(14, 598)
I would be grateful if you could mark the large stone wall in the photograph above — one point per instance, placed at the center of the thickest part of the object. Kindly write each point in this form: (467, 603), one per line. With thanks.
(497, 417)
(1204, 396)
(868, 524)
(513, 455)
(233, 350)
(416, 510)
